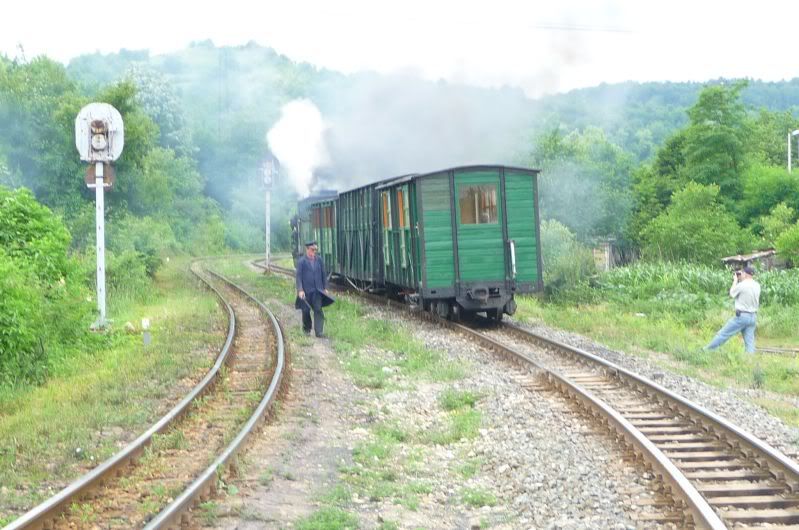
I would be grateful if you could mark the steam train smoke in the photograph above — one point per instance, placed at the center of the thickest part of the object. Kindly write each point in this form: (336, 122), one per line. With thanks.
(297, 141)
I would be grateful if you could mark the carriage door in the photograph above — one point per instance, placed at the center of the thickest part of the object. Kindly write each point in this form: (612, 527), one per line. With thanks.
(481, 255)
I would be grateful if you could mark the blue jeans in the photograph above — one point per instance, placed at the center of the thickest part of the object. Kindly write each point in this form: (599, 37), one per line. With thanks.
(745, 324)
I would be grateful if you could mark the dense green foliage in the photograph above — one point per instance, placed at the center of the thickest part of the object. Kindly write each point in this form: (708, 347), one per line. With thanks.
(694, 227)
(568, 264)
(685, 291)
(42, 304)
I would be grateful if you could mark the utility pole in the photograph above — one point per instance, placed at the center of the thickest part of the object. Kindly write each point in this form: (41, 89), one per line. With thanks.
(99, 137)
(269, 169)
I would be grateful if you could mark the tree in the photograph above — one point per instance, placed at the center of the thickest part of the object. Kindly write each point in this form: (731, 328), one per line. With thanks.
(788, 244)
(158, 100)
(715, 146)
(771, 226)
(764, 187)
(655, 183)
(584, 169)
(695, 227)
(769, 133)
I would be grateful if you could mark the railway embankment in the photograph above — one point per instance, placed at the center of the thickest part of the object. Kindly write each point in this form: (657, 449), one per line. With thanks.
(427, 429)
(97, 402)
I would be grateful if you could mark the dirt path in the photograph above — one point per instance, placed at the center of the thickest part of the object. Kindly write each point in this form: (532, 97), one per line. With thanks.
(295, 459)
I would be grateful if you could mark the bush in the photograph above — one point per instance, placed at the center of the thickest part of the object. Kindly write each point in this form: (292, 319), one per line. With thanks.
(127, 276)
(788, 244)
(30, 232)
(21, 323)
(567, 263)
(764, 188)
(43, 308)
(772, 226)
(148, 237)
(695, 228)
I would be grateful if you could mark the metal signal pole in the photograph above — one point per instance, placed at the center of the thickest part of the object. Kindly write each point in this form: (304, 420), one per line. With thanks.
(99, 138)
(99, 194)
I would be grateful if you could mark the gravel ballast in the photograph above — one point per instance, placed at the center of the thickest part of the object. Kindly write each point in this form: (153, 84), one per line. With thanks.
(734, 404)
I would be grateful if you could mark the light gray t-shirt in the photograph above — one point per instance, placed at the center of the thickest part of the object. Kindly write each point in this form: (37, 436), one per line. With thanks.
(747, 295)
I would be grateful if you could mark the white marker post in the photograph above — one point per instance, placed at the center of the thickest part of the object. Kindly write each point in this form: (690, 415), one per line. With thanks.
(99, 216)
(99, 137)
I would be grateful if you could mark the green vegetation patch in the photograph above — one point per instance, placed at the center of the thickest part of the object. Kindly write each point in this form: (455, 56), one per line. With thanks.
(370, 349)
(328, 519)
(478, 497)
(100, 396)
(669, 312)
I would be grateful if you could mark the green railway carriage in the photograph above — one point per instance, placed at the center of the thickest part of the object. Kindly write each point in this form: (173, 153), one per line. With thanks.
(457, 241)
(358, 256)
(463, 239)
(309, 223)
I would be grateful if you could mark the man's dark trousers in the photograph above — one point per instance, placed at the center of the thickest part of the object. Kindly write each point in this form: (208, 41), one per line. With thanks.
(314, 299)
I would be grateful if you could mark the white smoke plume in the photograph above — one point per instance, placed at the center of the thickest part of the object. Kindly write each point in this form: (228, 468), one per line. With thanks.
(297, 140)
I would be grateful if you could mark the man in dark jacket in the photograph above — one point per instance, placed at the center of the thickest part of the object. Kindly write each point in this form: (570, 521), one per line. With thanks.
(311, 289)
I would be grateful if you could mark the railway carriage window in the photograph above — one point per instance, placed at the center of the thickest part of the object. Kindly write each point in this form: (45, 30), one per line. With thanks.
(386, 227)
(386, 210)
(400, 209)
(404, 209)
(402, 215)
(478, 204)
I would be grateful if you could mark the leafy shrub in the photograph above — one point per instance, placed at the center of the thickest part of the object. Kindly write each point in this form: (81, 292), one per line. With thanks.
(21, 321)
(771, 226)
(764, 188)
(567, 263)
(126, 276)
(149, 237)
(43, 306)
(788, 244)
(686, 290)
(695, 228)
(30, 232)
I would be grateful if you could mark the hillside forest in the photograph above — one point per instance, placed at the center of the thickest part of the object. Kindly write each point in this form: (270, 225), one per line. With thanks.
(672, 172)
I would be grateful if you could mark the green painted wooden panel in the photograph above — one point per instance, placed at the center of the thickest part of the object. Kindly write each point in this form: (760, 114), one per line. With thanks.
(356, 237)
(481, 252)
(519, 189)
(437, 219)
(399, 268)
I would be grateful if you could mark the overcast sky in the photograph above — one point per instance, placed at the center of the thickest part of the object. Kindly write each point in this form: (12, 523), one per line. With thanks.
(541, 46)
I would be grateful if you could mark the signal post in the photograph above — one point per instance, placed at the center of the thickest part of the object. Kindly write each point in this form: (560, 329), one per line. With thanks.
(99, 137)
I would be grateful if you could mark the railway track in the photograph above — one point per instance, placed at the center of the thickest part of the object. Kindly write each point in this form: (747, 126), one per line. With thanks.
(718, 475)
(158, 480)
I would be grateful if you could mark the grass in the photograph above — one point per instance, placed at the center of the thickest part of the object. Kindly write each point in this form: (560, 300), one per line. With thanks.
(209, 513)
(97, 398)
(328, 518)
(355, 334)
(477, 497)
(463, 425)
(452, 399)
(668, 314)
(380, 355)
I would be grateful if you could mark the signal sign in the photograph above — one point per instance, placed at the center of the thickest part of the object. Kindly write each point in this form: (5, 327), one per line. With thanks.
(99, 133)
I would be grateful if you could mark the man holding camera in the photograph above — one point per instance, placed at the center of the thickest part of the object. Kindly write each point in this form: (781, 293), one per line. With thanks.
(746, 292)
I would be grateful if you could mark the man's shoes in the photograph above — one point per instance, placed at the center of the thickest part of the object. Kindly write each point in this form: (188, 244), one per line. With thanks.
(306, 331)
(321, 336)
